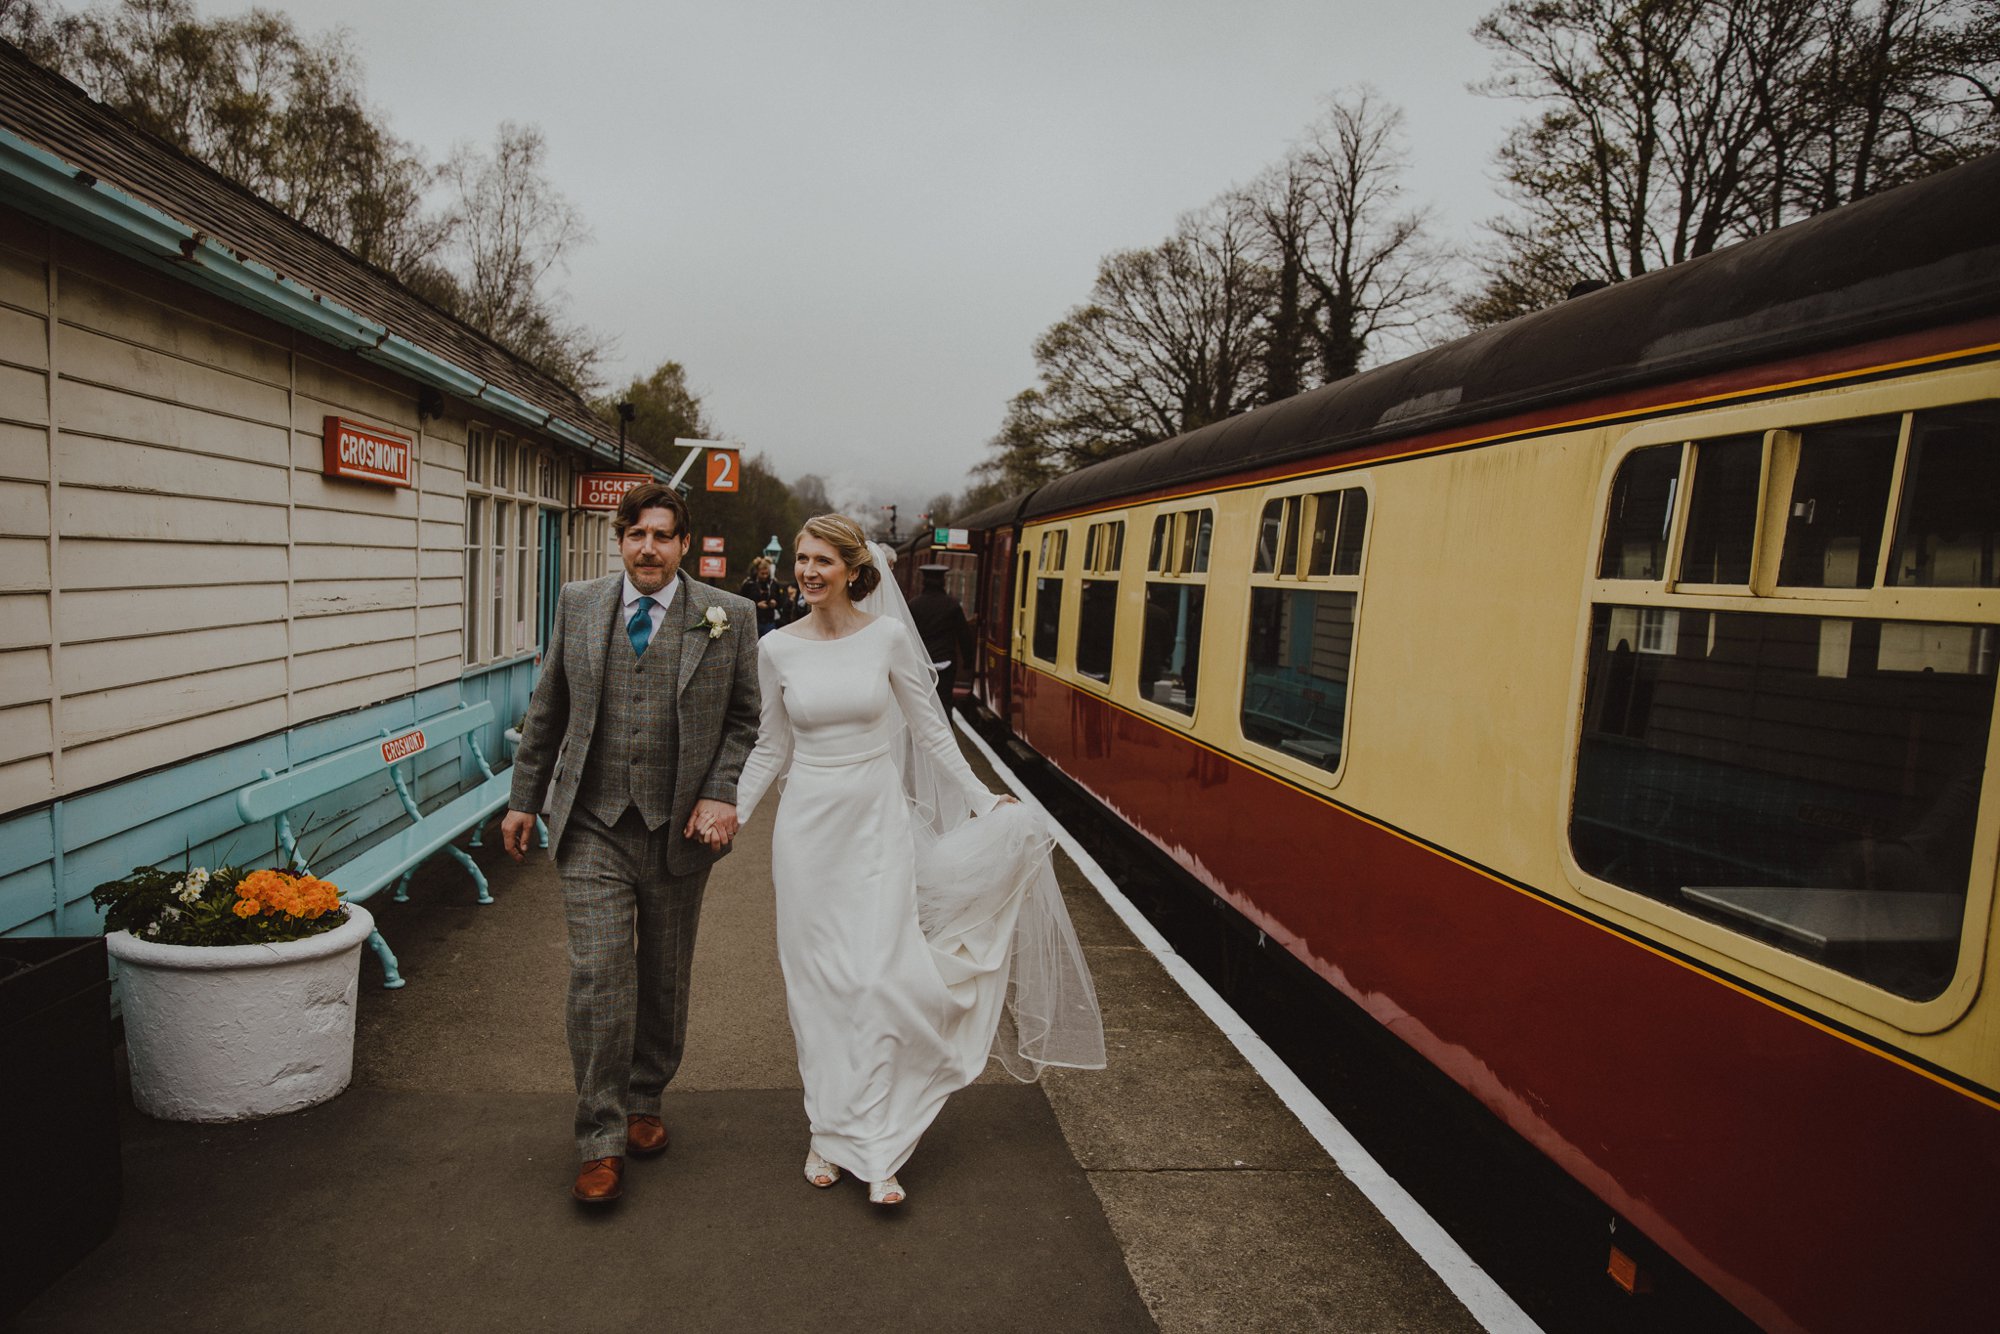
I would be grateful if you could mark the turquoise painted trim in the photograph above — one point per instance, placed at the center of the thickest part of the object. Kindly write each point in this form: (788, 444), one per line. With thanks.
(52, 856)
(59, 192)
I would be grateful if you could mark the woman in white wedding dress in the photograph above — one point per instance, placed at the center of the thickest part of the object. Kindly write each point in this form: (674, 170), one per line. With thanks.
(914, 941)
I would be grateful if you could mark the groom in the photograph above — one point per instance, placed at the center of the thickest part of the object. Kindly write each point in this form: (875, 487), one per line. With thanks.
(645, 712)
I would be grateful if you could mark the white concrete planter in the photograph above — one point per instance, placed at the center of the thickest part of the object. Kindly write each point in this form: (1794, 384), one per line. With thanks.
(231, 1032)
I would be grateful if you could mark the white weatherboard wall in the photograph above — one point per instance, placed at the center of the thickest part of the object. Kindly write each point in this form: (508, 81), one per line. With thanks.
(178, 583)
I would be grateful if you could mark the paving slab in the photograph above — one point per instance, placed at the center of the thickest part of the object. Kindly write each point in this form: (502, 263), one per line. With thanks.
(390, 1209)
(1217, 1252)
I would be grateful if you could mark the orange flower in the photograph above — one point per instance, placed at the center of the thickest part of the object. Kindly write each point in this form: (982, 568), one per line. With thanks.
(245, 907)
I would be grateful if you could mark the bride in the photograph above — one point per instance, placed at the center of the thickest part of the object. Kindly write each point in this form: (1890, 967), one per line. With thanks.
(915, 941)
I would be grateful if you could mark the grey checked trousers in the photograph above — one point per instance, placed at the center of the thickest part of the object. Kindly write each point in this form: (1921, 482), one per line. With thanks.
(631, 947)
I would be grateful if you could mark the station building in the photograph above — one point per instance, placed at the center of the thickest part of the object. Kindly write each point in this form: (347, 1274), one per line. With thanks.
(258, 502)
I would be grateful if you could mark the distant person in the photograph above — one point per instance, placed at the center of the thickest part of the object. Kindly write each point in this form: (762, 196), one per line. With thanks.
(763, 590)
(946, 632)
(649, 697)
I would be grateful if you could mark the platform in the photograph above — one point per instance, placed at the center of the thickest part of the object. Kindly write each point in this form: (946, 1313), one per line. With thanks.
(1171, 1191)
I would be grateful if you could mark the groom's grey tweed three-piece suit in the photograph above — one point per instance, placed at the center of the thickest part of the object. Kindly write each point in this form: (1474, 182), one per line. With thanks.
(622, 745)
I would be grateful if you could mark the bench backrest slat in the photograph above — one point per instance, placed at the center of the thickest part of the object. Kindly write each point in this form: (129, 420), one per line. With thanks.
(280, 792)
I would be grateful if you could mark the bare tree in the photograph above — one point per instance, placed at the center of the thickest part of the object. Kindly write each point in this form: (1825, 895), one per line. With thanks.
(1351, 272)
(1662, 129)
(512, 229)
(277, 111)
(1170, 340)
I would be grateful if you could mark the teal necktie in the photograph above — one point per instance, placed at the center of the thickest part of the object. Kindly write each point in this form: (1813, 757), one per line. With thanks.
(640, 628)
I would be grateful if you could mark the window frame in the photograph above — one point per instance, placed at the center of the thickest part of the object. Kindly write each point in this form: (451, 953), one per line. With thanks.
(1048, 556)
(1101, 560)
(1301, 580)
(1783, 422)
(1181, 560)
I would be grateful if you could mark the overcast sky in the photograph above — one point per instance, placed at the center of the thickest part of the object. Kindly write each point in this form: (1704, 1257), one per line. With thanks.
(850, 221)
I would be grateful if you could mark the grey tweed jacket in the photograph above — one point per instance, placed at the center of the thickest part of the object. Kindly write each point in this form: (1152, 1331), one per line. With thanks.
(718, 705)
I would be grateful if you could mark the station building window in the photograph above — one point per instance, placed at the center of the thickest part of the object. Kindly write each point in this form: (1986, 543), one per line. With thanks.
(1097, 608)
(1305, 581)
(1049, 560)
(1788, 736)
(509, 483)
(1176, 592)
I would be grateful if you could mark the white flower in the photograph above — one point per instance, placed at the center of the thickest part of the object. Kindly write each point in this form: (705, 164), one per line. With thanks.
(189, 889)
(173, 914)
(153, 930)
(718, 622)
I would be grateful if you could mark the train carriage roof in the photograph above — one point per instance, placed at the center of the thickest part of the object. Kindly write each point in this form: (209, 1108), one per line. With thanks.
(1923, 254)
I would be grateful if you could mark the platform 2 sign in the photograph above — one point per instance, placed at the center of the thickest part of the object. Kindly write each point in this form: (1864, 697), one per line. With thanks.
(603, 490)
(714, 567)
(951, 539)
(725, 470)
(365, 453)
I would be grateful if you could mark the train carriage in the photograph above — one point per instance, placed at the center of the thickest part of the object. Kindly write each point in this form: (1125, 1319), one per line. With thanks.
(1604, 703)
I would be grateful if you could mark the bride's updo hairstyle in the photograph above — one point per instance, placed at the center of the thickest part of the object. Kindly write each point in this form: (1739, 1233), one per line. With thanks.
(851, 545)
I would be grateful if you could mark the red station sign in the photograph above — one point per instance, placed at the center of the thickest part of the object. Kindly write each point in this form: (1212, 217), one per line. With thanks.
(365, 453)
(714, 567)
(603, 490)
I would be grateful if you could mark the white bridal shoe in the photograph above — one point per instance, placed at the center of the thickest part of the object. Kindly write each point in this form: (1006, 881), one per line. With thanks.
(819, 1172)
(886, 1192)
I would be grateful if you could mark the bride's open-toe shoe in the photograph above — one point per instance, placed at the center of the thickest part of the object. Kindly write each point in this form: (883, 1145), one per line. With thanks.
(819, 1172)
(887, 1192)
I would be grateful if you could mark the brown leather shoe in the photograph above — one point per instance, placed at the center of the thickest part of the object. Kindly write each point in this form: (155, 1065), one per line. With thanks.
(599, 1181)
(645, 1136)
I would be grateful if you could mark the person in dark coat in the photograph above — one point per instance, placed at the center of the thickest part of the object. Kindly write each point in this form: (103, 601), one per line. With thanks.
(763, 590)
(946, 632)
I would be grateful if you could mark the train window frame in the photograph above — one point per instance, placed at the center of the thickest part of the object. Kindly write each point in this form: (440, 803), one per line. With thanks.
(1050, 568)
(1300, 501)
(1102, 562)
(1180, 549)
(1783, 422)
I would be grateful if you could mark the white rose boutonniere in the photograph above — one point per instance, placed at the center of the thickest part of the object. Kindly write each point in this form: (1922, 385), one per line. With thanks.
(718, 622)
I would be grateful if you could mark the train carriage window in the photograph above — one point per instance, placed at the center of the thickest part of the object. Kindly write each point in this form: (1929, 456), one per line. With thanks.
(1642, 509)
(1722, 512)
(1810, 781)
(1170, 648)
(1097, 610)
(1049, 594)
(1301, 641)
(1840, 498)
(1170, 639)
(1948, 529)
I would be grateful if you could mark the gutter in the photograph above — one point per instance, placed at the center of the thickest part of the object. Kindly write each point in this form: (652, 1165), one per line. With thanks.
(42, 184)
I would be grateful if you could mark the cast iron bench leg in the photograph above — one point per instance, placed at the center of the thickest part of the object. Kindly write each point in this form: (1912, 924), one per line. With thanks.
(391, 979)
(472, 867)
(403, 886)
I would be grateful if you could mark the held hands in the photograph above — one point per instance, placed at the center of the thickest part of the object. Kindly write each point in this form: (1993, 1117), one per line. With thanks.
(713, 823)
(514, 830)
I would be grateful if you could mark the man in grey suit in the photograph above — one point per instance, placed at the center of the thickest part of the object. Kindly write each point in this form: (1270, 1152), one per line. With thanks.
(645, 712)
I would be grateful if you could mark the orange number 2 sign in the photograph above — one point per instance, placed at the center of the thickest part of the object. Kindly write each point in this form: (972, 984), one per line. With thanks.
(724, 470)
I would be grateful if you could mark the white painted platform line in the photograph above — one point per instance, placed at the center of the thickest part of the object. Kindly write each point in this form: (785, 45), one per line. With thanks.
(1484, 1298)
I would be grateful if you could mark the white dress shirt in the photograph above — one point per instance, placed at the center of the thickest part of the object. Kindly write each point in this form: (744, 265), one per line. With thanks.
(661, 601)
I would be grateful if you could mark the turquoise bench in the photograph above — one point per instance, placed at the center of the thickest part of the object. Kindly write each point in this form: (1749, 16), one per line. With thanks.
(396, 858)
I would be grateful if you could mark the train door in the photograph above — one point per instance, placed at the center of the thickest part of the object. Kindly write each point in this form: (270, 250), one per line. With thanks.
(995, 620)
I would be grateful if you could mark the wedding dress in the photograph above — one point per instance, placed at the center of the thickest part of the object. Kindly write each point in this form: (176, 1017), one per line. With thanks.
(914, 942)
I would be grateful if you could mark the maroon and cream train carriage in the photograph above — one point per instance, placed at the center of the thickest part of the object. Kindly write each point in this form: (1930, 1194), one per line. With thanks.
(1605, 703)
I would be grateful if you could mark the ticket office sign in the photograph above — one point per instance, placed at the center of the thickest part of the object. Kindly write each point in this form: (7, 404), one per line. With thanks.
(365, 453)
(603, 490)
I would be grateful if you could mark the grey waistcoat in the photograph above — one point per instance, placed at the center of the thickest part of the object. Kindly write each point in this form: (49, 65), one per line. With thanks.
(633, 747)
